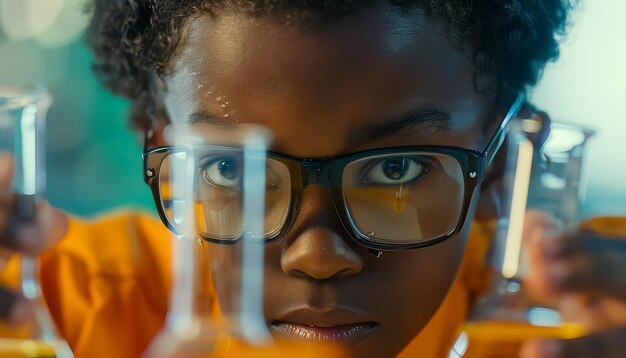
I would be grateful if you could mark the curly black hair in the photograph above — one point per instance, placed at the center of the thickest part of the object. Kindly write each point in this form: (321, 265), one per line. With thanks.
(508, 42)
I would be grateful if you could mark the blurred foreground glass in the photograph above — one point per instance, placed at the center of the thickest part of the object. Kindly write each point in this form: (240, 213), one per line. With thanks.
(549, 179)
(22, 125)
(201, 179)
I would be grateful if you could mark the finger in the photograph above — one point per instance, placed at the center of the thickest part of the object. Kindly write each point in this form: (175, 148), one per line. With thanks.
(544, 223)
(32, 237)
(14, 309)
(606, 344)
(35, 237)
(559, 247)
(17, 234)
(51, 221)
(6, 200)
(24, 235)
(5, 256)
(6, 203)
(6, 171)
(593, 273)
(539, 227)
(580, 242)
(6, 175)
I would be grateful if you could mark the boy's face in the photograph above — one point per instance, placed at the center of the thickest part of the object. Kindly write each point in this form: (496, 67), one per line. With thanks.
(319, 91)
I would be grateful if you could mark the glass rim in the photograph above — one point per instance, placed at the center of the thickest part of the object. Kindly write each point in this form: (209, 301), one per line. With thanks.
(566, 136)
(21, 91)
(183, 135)
(587, 131)
(17, 96)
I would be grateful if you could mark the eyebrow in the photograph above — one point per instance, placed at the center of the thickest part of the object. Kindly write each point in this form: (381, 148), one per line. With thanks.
(204, 117)
(428, 119)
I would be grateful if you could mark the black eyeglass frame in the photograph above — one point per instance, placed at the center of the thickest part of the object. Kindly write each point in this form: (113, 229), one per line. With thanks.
(328, 173)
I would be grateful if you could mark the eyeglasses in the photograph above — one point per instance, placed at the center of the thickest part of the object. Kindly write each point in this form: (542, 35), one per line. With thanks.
(396, 198)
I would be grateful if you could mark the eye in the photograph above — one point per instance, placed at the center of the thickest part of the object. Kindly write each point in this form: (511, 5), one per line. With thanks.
(223, 172)
(395, 170)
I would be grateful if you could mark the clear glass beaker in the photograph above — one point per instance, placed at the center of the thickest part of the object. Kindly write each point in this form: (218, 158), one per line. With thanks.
(214, 190)
(548, 178)
(22, 130)
(197, 208)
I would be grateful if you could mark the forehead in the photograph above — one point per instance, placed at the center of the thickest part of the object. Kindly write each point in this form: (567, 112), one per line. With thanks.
(363, 68)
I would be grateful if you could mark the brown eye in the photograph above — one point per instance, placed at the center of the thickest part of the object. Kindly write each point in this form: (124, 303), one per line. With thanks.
(224, 172)
(394, 170)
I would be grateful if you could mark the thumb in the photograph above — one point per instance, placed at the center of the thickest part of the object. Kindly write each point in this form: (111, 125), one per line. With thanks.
(50, 226)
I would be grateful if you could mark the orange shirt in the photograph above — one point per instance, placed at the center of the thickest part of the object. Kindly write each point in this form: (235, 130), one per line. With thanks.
(107, 286)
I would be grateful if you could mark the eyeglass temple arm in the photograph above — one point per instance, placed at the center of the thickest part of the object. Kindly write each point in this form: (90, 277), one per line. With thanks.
(146, 138)
(496, 142)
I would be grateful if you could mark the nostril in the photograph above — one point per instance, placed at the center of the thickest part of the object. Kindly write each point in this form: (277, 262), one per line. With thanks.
(320, 254)
(322, 274)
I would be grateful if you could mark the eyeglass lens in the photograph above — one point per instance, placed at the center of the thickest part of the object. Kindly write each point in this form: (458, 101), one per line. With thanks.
(398, 198)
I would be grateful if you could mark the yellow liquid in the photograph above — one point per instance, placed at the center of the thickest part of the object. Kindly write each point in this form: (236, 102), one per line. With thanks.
(25, 348)
(504, 339)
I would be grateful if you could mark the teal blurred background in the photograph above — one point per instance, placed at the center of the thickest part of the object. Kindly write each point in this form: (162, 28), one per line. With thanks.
(94, 160)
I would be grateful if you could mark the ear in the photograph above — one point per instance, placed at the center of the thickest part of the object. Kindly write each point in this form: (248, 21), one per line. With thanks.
(488, 207)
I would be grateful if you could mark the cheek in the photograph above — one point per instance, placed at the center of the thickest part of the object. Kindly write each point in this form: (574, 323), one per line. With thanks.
(424, 276)
(225, 271)
(406, 289)
(423, 279)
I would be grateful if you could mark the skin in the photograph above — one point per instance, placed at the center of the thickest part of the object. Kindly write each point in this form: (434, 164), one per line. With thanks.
(48, 228)
(582, 275)
(315, 97)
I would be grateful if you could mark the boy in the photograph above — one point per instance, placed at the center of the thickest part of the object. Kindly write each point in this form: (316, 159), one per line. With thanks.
(329, 79)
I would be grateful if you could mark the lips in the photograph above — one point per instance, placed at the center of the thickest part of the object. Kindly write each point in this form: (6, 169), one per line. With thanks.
(335, 326)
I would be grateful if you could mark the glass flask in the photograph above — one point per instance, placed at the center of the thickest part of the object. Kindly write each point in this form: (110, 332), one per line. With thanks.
(22, 129)
(191, 329)
(210, 186)
(548, 178)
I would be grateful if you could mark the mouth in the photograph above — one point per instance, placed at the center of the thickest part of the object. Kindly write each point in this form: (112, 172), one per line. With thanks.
(311, 326)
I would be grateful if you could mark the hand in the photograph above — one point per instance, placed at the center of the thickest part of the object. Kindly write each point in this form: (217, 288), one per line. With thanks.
(584, 276)
(18, 236)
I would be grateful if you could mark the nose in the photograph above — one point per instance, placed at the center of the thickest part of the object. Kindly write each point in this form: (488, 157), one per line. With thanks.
(317, 245)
